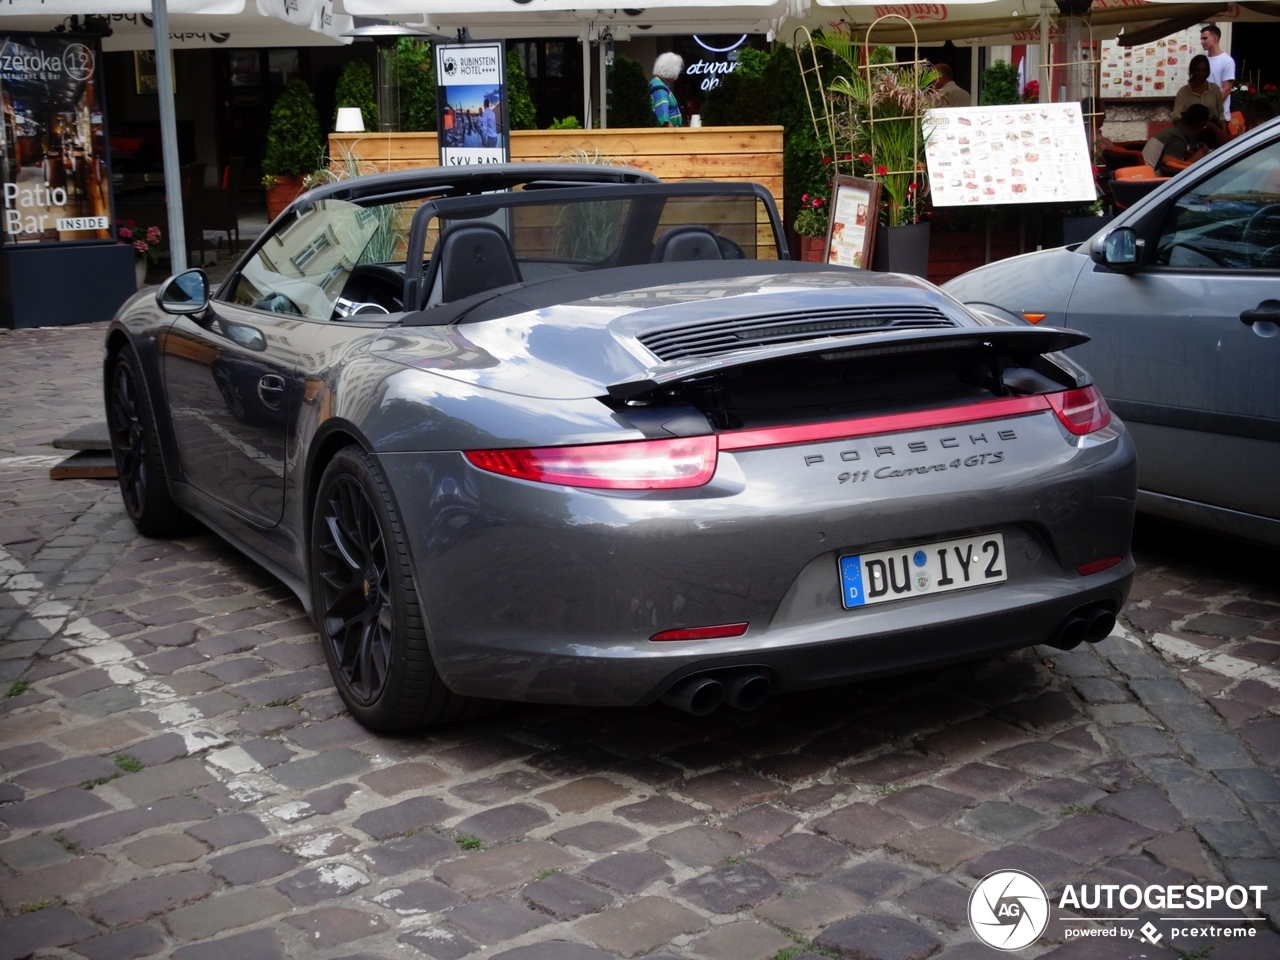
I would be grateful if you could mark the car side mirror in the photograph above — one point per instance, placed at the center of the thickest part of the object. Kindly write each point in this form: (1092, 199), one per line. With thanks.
(1120, 249)
(184, 293)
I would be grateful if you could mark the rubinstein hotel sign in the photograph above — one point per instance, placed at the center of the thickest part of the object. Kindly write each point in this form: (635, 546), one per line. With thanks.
(1009, 910)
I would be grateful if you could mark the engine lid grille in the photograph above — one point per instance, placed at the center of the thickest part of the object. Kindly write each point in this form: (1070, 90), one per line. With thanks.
(715, 337)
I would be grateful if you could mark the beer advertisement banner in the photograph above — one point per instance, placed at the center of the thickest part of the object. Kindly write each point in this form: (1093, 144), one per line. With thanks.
(471, 103)
(56, 178)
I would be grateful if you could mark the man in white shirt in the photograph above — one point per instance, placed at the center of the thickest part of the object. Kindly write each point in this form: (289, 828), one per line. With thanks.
(1222, 69)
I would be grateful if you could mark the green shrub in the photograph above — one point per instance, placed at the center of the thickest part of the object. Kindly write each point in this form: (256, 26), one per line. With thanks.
(293, 139)
(415, 72)
(355, 89)
(521, 114)
(568, 123)
(1000, 84)
(629, 102)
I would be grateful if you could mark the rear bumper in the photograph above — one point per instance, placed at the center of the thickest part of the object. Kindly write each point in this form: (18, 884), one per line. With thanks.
(549, 594)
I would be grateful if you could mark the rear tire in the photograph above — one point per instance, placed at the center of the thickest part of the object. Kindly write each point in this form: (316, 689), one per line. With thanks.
(366, 605)
(135, 445)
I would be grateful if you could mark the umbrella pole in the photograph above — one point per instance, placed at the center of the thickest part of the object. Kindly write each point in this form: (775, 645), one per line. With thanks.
(169, 137)
(586, 77)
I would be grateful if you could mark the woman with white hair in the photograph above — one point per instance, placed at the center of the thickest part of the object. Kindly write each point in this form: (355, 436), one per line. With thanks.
(666, 69)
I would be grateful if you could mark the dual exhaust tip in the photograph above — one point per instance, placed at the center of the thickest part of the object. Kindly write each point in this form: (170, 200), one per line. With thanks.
(703, 693)
(1092, 623)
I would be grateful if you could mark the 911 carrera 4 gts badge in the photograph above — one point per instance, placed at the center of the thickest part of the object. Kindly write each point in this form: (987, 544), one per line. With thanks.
(927, 569)
(891, 470)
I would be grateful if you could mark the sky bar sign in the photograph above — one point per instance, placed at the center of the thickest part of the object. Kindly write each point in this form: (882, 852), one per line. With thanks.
(471, 103)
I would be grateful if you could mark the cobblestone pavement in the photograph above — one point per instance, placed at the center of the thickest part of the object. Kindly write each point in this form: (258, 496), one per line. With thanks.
(180, 779)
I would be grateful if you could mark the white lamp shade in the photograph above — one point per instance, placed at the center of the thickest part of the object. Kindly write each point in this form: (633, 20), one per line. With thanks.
(350, 120)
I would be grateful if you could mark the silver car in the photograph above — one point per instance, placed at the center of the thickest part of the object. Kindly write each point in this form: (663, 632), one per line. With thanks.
(597, 440)
(1180, 296)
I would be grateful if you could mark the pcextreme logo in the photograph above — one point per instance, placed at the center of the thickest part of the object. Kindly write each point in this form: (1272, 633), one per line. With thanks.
(1009, 910)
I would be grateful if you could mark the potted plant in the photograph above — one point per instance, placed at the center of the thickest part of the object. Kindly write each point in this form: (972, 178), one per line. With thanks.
(355, 89)
(811, 225)
(293, 146)
(146, 247)
(877, 112)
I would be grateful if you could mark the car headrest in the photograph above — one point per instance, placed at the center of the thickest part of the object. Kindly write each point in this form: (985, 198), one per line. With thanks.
(473, 258)
(686, 243)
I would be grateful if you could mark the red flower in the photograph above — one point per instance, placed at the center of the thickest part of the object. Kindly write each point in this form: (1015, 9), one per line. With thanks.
(826, 160)
(804, 198)
(864, 157)
(882, 170)
(817, 202)
(847, 156)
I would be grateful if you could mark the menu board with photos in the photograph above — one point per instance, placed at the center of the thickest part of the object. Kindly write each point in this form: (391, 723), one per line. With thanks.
(1155, 69)
(1019, 153)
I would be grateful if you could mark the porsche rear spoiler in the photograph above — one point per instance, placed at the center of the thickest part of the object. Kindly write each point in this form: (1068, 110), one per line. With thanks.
(1018, 340)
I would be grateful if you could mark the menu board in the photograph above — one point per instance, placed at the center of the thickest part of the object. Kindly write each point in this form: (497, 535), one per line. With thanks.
(1155, 69)
(1019, 153)
(851, 228)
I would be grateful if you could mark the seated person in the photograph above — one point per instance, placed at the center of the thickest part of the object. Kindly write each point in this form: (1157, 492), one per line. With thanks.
(1180, 141)
(1198, 89)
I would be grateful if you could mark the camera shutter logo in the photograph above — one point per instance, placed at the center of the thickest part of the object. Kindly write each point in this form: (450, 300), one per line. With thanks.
(450, 66)
(78, 60)
(1008, 910)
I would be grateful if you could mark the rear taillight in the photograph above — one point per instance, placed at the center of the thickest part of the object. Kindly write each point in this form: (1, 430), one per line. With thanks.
(1081, 411)
(646, 465)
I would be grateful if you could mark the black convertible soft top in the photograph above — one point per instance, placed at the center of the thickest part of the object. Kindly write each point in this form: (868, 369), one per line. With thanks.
(469, 180)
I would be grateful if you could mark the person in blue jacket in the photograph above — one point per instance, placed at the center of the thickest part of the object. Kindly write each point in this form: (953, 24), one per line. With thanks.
(666, 70)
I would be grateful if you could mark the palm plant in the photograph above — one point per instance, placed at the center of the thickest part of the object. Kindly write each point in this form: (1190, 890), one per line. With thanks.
(876, 112)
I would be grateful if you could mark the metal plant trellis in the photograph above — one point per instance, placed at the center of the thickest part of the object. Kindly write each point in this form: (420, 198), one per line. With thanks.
(915, 118)
(1087, 65)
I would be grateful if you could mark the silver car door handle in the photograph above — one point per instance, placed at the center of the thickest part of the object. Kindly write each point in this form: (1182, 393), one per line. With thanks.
(271, 390)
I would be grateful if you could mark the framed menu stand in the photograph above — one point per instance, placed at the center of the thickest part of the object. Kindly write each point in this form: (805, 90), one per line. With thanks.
(851, 225)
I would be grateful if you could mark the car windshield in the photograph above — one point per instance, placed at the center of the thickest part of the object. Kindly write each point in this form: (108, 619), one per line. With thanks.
(305, 265)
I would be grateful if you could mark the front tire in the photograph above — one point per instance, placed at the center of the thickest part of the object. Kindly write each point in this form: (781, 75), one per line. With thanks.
(366, 605)
(135, 445)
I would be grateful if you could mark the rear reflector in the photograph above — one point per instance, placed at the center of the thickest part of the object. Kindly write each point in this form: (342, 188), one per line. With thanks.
(646, 465)
(1085, 569)
(1081, 411)
(1033, 317)
(703, 633)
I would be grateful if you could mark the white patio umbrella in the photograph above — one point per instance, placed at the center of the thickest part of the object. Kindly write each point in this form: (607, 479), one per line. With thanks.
(501, 19)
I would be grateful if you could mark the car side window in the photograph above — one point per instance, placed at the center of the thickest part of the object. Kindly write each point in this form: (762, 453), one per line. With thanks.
(303, 267)
(1231, 220)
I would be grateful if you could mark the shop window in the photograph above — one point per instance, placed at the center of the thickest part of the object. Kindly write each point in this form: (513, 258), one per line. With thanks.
(246, 68)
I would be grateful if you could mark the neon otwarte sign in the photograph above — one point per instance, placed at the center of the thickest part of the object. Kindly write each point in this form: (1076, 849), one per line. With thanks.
(710, 71)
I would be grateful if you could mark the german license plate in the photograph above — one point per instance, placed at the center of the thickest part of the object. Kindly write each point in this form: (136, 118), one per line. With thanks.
(922, 570)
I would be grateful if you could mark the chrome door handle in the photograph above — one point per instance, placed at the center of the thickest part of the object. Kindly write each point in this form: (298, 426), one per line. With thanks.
(271, 390)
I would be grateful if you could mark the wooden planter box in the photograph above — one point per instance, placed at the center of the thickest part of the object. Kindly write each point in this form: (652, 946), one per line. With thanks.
(693, 153)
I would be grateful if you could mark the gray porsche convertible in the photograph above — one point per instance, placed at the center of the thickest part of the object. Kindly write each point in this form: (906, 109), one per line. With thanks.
(571, 435)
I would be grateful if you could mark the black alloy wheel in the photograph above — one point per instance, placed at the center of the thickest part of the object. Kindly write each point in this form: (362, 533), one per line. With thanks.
(135, 446)
(365, 603)
(355, 589)
(128, 440)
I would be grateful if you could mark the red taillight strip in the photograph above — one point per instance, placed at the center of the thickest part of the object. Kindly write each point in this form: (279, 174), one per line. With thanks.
(889, 423)
(702, 633)
(1097, 566)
